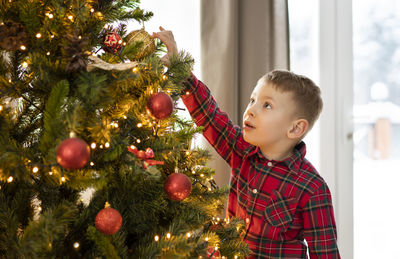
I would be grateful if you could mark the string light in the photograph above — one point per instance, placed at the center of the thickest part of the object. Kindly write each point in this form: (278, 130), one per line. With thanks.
(63, 179)
(52, 36)
(107, 145)
(135, 70)
(35, 169)
(164, 77)
(48, 53)
(76, 245)
(10, 179)
(25, 64)
(168, 235)
(101, 146)
(38, 35)
(39, 208)
(125, 117)
(187, 93)
(92, 10)
(51, 16)
(139, 125)
(187, 153)
(138, 141)
(156, 238)
(93, 145)
(70, 17)
(1, 108)
(91, 164)
(202, 175)
(188, 234)
(22, 47)
(193, 172)
(236, 256)
(50, 173)
(206, 239)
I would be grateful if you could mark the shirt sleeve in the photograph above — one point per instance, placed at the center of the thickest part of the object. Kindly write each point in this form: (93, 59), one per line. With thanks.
(320, 226)
(220, 132)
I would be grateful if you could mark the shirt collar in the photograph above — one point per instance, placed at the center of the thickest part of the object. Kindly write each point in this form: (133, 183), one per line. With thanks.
(293, 162)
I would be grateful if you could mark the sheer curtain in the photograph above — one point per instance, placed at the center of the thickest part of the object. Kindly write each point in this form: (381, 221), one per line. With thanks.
(240, 42)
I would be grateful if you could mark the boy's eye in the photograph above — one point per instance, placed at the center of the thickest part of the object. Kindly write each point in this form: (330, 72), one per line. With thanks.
(267, 105)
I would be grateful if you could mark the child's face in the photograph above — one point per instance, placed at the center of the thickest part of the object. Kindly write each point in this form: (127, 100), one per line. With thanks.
(268, 116)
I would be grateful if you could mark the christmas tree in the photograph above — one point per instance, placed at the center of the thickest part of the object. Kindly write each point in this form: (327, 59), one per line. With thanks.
(87, 107)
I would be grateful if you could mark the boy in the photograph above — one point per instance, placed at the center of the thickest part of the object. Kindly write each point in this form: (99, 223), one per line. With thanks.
(273, 188)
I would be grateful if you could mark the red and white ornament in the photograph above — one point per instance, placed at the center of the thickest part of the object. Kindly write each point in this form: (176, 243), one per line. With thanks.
(177, 186)
(112, 42)
(108, 220)
(73, 153)
(160, 105)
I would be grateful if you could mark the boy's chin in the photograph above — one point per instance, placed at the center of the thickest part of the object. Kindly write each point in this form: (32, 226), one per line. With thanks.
(248, 140)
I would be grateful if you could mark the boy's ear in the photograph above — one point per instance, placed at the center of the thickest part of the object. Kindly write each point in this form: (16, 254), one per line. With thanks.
(298, 129)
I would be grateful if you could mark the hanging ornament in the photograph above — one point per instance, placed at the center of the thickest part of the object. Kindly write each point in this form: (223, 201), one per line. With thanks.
(160, 105)
(213, 253)
(13, 36)
(108, 220)
(112, 42)
(177, 186)
(73, 153)
(145, 39)
(145, 156)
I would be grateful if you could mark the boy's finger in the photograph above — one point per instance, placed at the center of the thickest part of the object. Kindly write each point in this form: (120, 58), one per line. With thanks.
(161, 28)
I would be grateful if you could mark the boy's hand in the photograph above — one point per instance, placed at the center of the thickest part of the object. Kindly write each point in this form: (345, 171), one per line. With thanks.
(168, 39)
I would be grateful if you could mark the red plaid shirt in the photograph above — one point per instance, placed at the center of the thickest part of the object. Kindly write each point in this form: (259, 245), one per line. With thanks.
(282, 202)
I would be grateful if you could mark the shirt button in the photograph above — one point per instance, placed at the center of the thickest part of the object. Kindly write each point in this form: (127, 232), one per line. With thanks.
(255, 191)
(247, 220)
(269, 164)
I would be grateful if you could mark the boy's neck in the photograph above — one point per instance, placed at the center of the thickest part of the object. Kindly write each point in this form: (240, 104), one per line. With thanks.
(278, 154)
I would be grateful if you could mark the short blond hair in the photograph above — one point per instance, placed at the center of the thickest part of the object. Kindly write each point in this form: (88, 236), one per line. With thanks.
(306, 94)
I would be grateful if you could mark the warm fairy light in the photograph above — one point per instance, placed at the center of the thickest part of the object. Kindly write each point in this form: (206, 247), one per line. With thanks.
(101, 146)
(52, 36)
(138, 141)
(107, 145)
(188, 234)
(10, 179)
(209, 189)
(63, 179)
(92, 10)
(99, 14)
(125, 117)
(24, 64)
(193, 172)
(39, 208)
(206, 239)
(187, 153)
(202, 175)
(93, 145)
(38, 35)
(216, 248)
(48, 53)
(164, 77)
(50, 173)
(106, 26)
(76, 245)
(135, 69)
(139, 125)
(156, 238)
(22, 47)
(80, 37)
(70, 17)
(91, 164)
(120, 41)
(236, 257)
(51, 16)
(168, 235)
(116, 125)
(218, 219)
(1, 108)
(35, 169)
(9, 80)
(187, 93)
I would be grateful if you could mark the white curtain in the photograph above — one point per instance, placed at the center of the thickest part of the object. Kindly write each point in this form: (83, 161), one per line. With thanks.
(240, 41)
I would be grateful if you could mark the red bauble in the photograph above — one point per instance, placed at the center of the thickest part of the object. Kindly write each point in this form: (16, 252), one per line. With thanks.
(160, 105)
(177, 186)
(73, 153)
(112, 42)
(212, 253)
(108, 221)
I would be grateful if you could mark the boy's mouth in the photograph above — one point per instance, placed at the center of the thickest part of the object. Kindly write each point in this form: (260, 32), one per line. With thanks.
(248, 125)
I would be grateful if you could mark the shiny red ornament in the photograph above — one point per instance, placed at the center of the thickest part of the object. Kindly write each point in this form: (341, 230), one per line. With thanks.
(177, 186)
(112, 42)
(73, 153)
(160, 105)
(145, 156)
(212, 253)
(108, 221)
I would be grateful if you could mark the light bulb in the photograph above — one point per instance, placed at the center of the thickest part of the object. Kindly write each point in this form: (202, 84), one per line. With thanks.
(10, 179)
(76, 245)
(22, 47)
(93, 145)
(168, 235)
(63, 179)
(38, 35)
(188, 234)
(156, 238)
(107, 145)
(35, 169)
